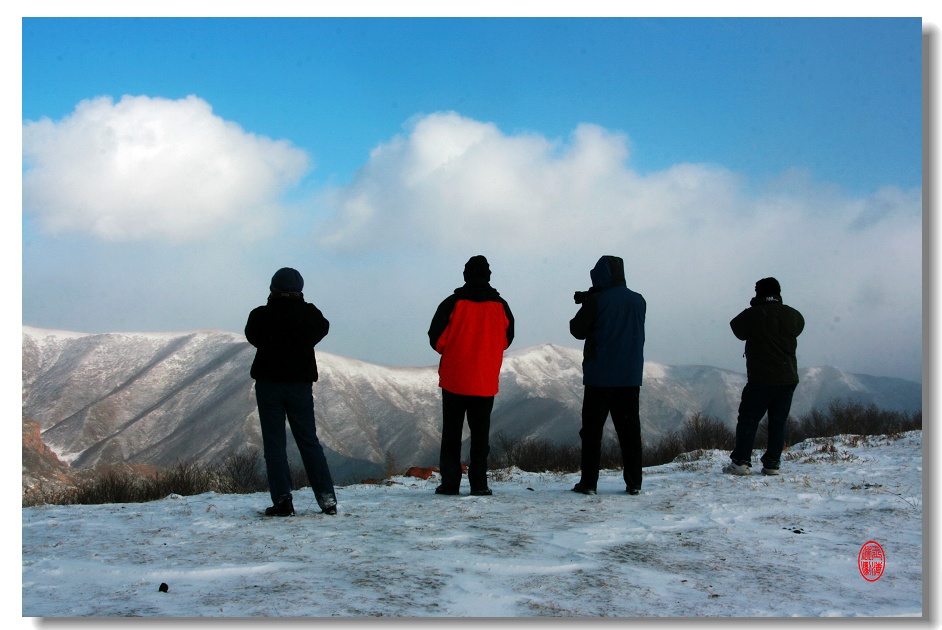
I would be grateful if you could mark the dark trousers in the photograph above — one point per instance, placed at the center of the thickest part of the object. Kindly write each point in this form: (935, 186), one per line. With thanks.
(296, 402)
(757, 399)
(623, 405)
(478, 411)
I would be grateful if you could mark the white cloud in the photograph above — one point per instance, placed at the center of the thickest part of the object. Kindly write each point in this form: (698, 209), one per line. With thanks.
(694, 237)
(153, 168)
(451, 180)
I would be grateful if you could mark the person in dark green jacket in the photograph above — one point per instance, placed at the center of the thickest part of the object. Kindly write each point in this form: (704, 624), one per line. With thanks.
(770, 330)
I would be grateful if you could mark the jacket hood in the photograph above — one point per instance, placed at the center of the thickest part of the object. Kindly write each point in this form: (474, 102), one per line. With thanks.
(608, 272)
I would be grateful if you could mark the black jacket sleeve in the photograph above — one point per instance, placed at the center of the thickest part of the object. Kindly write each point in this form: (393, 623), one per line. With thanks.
(253, 331)
(440, 320)
(510, 325)
(742, 324)
(319, 325)
(583, 323)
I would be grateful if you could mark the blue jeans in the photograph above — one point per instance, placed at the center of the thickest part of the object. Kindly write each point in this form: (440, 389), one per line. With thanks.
(294, 400)
(757, 399)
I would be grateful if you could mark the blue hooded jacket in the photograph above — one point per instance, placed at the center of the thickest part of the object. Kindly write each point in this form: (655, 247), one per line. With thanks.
(611, 321)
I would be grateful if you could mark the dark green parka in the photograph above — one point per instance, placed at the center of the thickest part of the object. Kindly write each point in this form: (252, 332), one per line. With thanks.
(770, 330)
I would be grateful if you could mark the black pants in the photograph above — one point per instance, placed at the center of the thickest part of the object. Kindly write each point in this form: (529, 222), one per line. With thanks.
(478, 410)
(757, 399)
(623, 404)
(276, 401)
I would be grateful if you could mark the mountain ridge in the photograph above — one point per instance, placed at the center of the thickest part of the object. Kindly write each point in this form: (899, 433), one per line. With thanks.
(158, 398)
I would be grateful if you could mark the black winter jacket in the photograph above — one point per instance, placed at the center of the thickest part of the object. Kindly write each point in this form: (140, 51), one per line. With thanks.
(770, 330)
(285, 331)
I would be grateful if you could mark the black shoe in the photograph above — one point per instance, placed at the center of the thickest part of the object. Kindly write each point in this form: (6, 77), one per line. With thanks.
(446, 490)
(582, 489)
(482, 492)
(631, 490)
(284, 507)
(331, 510)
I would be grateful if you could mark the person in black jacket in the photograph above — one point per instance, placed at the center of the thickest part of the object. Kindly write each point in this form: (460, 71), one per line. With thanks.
(770, 330)
(285, 331)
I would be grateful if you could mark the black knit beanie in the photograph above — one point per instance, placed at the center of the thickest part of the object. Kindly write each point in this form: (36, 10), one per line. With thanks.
(286, 280)
(768, 287)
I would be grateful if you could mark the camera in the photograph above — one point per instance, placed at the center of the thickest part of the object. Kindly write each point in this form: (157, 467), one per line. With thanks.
(580, 296)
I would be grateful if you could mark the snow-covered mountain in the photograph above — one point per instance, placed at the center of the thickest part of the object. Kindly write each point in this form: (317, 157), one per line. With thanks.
(159, 398)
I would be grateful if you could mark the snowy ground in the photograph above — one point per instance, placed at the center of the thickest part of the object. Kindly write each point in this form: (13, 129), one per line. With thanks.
(696, 543)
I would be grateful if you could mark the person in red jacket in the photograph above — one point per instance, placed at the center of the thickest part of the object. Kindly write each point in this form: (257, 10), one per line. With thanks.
(471, 329)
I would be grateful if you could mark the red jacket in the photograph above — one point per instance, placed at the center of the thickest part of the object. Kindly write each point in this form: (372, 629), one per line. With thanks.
(471, 329)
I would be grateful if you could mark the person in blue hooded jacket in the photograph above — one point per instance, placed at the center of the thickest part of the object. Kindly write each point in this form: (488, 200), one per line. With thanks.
(611, 321)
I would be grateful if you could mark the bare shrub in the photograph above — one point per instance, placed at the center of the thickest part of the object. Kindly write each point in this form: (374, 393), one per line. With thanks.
(663, 451)
(112, 486)
(186, 478)
(700, 432)
(707, 432)
(852, 418)
(241, 473)
(49, 493)
(534, 454)
(503, 450)
(298, 478)
(391, 467)
(537, 455)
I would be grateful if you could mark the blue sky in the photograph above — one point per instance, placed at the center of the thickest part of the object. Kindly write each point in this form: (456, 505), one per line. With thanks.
(172, 165)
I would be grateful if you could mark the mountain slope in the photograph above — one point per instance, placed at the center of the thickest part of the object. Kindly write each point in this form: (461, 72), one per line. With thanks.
(161, 398)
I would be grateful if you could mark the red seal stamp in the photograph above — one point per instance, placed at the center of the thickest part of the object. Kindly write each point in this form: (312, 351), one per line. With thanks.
(871, 561)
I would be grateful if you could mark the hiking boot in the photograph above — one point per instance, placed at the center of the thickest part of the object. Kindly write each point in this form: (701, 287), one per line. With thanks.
(481, 492)
(631, 490)
(771, 471)
(446, 490)
(284, 507)
(733, 468)
(331, 510)
(582, 489)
